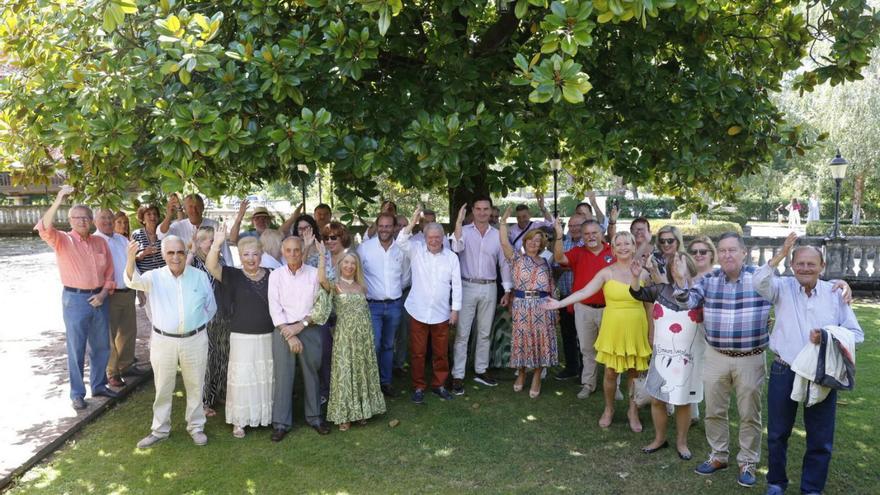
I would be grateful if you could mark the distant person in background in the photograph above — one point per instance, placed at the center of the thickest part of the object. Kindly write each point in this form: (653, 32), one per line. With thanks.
(524, 222)
(591, 211)
(813, 211)
(86, 270)
(794, 214)
(323, 214)
(493, 217)
(149, 255)
(186, 228)
(270, 240)
(121, 224)
(780, 213)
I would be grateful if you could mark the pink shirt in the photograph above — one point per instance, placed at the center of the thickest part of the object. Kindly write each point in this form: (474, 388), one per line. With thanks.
(84, 263)
(480, 254)
(292, 295)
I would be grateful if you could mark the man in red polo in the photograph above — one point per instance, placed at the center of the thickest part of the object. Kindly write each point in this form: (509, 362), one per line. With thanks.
(86, 268)
(585, 262)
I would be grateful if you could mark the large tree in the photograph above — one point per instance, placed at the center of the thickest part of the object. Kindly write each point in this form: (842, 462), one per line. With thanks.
(467, 95)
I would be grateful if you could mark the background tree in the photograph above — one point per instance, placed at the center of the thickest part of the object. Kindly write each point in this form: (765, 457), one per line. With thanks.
(465, 95)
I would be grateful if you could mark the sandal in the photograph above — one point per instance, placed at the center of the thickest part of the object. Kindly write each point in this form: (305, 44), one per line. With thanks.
(210, 412)
(362, 422)
(606, 419)
(344, 426)
(238, 431)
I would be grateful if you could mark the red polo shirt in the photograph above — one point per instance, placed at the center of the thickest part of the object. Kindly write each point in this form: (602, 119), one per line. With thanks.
(585, 265)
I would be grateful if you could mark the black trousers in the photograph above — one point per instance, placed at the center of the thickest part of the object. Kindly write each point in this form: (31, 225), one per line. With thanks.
(570, 348)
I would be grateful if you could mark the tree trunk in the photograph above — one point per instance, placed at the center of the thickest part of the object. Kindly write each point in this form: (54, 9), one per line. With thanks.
(635, 191)
(858, 191)
(466, 192)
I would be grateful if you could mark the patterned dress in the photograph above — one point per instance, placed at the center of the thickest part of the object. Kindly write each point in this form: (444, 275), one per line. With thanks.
(218, 345)
(675, 375)
(354, 380)
(533, 338)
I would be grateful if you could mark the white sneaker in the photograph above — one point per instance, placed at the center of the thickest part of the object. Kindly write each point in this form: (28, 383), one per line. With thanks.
(199, 438)
(149, 441)
(584, 393)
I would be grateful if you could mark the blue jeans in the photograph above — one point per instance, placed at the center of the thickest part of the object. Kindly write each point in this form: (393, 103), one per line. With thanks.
(818, 422)
(86, 324)
(386, 318)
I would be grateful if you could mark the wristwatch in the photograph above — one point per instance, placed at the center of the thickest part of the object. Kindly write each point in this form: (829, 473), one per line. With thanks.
(305, 322)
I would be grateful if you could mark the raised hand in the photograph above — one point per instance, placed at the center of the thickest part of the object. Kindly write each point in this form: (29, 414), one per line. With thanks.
(636, 267)
(789, 243)
(461, 213)
(557, 228)
(242, 207)
(417, 215)
(679, 270)
(173, 204)
(308, 237)
(540, 197)
(614, 212)
(322, 249)
(220, 235)
(504, 216)
(66, 190)
(132, 249)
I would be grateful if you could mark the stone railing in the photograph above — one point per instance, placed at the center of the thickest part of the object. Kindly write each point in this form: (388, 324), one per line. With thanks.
(853, 259)
(17, 220)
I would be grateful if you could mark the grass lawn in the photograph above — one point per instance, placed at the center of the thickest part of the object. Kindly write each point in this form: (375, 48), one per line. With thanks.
(489, 441)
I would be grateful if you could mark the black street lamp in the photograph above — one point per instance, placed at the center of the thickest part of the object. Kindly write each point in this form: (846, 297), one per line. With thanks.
(556, 165)
(838, 172)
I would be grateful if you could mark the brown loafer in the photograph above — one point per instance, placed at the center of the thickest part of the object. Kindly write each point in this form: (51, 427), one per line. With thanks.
(116, 381)
(322, 428)
(278, 435)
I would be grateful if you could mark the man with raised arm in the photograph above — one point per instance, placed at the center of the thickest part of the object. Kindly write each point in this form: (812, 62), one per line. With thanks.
(86, 268)
(479, 250)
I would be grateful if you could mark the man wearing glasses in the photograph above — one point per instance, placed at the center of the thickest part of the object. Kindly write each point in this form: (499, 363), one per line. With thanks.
(86, 269)
(183, 303)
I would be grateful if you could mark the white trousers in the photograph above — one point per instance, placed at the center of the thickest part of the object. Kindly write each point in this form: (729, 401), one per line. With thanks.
(166, 353)
(478, 303)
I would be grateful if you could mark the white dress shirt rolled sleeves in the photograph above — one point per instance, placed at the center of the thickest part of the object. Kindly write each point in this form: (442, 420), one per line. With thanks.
(434, 277)
(797, 313)
(383, 269)
(179, 304)
(292, 294)
(119, 251)
(479, 254)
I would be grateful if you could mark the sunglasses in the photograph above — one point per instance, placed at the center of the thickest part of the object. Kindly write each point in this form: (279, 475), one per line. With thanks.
(701, 252)
(667, 241)
(332, 237)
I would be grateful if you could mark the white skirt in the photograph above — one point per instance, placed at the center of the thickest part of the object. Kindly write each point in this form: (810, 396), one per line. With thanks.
(249, 380)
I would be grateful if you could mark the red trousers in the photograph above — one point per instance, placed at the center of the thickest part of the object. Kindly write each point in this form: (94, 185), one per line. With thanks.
(418, 344)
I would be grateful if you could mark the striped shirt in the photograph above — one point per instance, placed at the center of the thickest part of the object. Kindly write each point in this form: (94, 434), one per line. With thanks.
(734, 314)
(152, 261)
(567, 277)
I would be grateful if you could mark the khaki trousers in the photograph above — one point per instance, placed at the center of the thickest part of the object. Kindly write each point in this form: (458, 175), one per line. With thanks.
(123, 332)
(166, 354)
(587, 321)
(744, 376)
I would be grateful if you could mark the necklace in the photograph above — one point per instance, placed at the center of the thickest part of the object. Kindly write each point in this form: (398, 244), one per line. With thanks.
(251, 275)
(348, 281)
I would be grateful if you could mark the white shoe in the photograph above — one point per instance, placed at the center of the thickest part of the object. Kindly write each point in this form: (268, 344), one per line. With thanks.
(149, 441)
(584, 393)
(199, 438)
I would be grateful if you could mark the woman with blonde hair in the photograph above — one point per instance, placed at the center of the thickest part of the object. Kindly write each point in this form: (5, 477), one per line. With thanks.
(533, 335)
(355, 393)
(702, 250)
(271, 239)
(669, 241)
(675, 374)
(250, 378)
(623, 342)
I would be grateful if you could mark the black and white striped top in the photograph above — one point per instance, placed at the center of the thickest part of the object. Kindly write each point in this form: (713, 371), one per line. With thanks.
(152, 261)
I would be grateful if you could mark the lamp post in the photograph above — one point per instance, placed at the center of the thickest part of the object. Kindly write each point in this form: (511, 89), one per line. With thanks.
(555, 164)
(838, 172)
(302, 184)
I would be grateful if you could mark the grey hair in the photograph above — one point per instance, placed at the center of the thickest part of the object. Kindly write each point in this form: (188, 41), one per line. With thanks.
(434, 226)
(81, 207)
(172, 238)
(293, 238)
(798, 249)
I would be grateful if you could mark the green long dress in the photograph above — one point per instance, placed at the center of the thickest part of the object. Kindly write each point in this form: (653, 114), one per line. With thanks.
(354, 375)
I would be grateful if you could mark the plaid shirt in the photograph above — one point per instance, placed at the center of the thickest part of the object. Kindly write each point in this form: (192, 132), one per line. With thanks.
(734, 314)
(567, 277)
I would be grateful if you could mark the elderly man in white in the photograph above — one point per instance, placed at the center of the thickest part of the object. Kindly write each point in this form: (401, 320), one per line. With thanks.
(804, 305)
(183, 303)
(435, 275)
(186, 228)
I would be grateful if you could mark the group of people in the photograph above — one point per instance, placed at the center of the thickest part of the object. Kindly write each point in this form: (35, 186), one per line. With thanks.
(794, 209)
(350, 317)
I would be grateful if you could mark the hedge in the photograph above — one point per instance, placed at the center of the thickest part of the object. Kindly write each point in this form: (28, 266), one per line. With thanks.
(824, 229)
(644, 207)
(718, 215)
(711, 228)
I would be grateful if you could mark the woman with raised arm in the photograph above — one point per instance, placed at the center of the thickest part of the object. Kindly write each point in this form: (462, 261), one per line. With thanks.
(675, 373)
(249, 379)
(622, 344)
(533, 338)
(355, 394)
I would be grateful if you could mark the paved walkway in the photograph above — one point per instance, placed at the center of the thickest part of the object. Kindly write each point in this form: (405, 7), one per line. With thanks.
(37, 416)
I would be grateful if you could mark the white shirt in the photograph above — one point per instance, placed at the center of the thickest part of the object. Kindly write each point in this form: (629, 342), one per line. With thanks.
(178, 304)
(119, 251)
(383, 269)
(267, 261)
(433, 277)
(186, 230)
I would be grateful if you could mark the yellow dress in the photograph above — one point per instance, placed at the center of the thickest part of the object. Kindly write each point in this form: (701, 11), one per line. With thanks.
(622, 343)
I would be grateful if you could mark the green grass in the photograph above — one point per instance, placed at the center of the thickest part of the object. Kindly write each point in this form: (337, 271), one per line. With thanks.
(489, 441)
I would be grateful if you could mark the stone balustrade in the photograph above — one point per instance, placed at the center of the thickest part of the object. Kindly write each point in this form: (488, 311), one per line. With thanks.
(19, 220)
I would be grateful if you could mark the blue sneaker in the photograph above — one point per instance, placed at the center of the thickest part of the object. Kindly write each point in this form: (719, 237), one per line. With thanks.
(746, 476)
(418, 396)
(710, 467)
(775, 489)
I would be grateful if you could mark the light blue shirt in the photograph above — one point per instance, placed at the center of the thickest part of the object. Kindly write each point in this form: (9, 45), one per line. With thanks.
(178, 304)
(119, 251)
(797, 313)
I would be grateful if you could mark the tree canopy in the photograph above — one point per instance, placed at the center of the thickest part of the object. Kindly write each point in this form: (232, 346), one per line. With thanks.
(461, 94)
